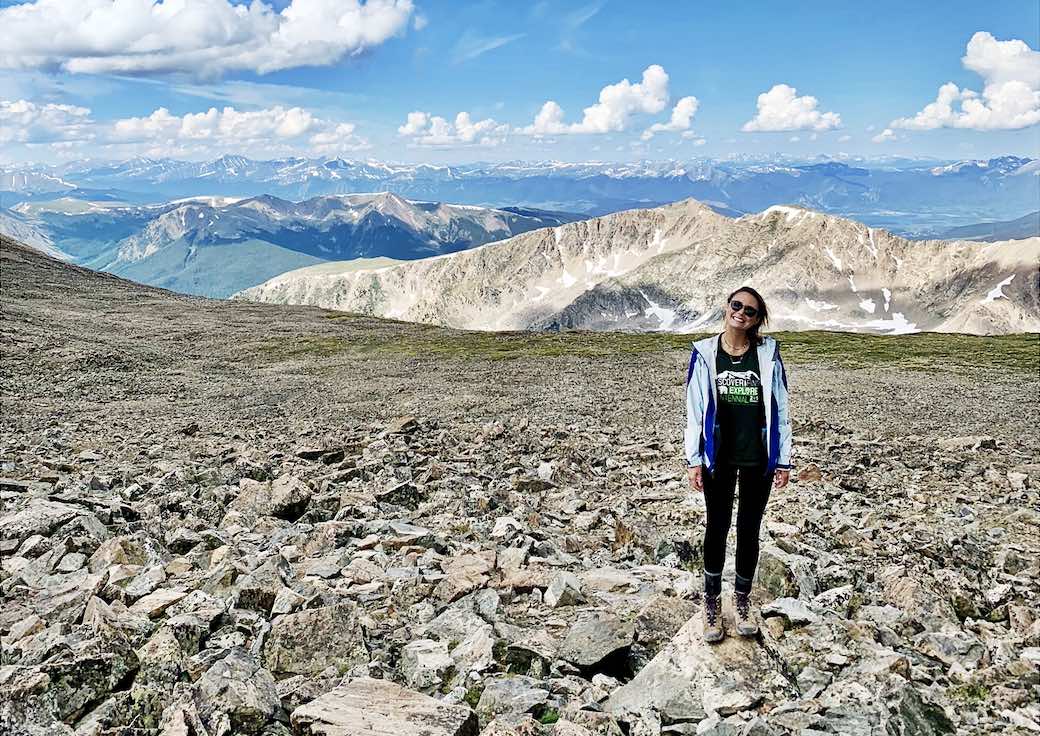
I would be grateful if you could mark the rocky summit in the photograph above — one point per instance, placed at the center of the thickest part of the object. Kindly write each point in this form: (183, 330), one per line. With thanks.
(240, 518)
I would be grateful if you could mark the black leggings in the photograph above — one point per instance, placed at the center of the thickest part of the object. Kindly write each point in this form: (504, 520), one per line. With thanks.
(718, 501)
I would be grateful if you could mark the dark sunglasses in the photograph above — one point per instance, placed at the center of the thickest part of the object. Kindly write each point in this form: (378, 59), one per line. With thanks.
(736, 305)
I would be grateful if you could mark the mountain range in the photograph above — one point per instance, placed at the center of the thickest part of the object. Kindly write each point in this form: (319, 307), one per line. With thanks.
(671, 268)
(912, 198)
(215, 246)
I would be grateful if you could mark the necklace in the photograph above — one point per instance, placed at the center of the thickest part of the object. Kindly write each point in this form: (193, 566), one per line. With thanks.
(733, 351)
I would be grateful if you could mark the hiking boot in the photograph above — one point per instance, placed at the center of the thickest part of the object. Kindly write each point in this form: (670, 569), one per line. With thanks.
(747, 625)
(713, 628)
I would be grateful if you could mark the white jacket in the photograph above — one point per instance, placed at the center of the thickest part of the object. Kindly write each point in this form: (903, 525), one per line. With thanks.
(702, 399)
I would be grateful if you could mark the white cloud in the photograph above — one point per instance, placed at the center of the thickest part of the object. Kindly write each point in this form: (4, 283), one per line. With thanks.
(22, 121)
(618, 103)
(844, 138)
(884, 136)
(793, 139)
(415, 124)
(682, 117)
(1010, 97)
(231, 128)
(205, 38)
(432, 130)
(781, 109)
(338, 139)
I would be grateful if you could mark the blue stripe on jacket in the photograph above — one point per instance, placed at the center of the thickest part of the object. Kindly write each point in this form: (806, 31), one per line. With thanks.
(689, 371)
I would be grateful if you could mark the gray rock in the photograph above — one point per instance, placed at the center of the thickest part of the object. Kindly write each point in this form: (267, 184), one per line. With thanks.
(307, 642)
(594, 637)
(564, 590)
(689, 680)
(792, 610)
(515, 695)
(236, 695)
(367, 707)
(424, 663)
(289, 497)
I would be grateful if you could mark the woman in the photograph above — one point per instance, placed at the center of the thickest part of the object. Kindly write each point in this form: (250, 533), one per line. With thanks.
(737, 426)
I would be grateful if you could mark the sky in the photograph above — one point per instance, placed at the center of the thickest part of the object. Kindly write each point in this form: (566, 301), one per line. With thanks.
(453, 82)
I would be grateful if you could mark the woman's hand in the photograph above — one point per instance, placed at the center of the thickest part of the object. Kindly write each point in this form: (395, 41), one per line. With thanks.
(782, 476)
(696, 476)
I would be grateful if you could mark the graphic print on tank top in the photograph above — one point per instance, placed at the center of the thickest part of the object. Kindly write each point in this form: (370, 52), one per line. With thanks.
(739, 387)
(741, 416)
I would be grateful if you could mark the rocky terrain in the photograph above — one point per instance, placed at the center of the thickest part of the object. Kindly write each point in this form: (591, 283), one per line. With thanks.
(671, 268)
(229, 517)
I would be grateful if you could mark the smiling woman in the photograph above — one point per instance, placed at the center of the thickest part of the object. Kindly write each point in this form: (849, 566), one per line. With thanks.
(732, 379)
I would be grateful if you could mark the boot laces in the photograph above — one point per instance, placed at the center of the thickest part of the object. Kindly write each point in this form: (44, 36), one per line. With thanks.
(743, 605)
(711, 609)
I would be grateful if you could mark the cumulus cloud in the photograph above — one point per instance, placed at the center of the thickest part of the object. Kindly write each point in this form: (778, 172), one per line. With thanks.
(618, 103)
(23, 121)
(885, 136)
(682, 118)
(782, 109)
(206, 38)
(432, 130)
(235, 128)
(1010, 97)
(214, 124)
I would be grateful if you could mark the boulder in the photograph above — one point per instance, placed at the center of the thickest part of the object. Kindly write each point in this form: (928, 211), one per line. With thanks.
(508, 696)
(367, 707)
(689, 680)
(594, 638)
(236, 695)
(307, 642)
(424, 663)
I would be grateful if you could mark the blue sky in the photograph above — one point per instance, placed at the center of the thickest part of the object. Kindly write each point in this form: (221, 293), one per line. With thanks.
(81, 78)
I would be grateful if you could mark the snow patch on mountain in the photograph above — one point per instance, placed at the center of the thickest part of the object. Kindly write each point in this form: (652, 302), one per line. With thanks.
(997, 292)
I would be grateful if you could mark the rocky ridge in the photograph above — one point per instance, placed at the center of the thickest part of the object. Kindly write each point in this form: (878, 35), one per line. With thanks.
(215, 246)
(671, 268)
(201, 537)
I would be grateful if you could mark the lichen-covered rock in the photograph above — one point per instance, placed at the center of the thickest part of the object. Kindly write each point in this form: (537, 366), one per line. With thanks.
(307, 642)
(236, 695)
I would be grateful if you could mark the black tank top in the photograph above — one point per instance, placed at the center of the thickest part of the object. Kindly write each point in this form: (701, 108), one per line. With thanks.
(741, 410)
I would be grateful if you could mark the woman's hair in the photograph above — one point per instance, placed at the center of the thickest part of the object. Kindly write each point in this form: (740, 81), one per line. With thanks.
(763, 313)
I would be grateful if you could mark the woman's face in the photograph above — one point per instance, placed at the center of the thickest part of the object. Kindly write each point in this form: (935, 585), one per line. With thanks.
(738, 318)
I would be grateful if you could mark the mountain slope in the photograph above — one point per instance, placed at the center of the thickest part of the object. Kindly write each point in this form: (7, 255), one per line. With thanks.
(215, 246)
(1026, 226)
(672, 267)
(16, 227)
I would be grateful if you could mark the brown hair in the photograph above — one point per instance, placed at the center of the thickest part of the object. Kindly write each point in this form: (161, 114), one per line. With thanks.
(763, 313)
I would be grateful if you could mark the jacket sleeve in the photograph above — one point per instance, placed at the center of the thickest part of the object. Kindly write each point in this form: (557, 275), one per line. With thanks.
(694, 410)
(783, 413)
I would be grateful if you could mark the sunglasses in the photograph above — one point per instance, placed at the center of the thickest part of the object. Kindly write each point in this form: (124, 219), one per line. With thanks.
(736, 305)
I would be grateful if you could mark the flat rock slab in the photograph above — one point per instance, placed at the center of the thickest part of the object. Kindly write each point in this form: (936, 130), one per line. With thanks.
(689, 680)
(367, 707)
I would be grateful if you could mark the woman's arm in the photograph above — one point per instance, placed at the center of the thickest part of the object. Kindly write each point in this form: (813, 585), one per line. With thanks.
(783, 413)
(694, 421)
